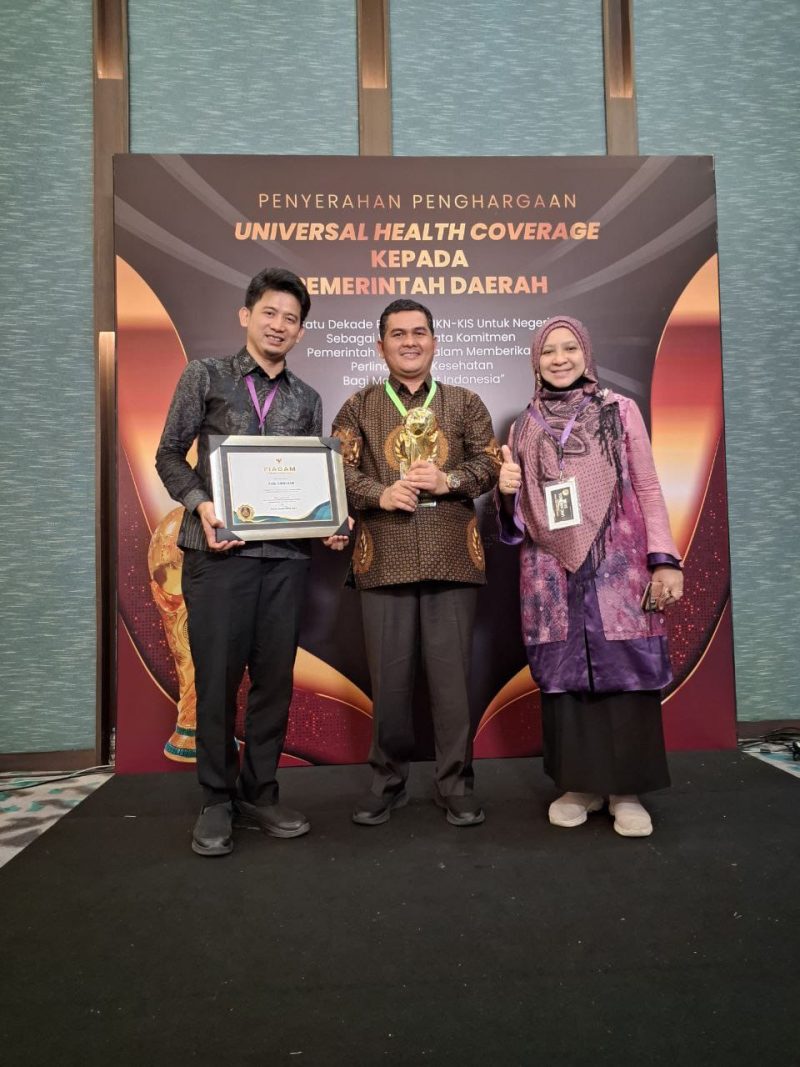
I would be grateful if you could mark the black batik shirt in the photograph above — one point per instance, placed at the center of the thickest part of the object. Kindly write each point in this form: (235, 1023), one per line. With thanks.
(212, 398)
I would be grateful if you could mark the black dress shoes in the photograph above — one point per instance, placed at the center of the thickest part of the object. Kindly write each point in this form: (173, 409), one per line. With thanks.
(213, 831)
(461, 810)
(372, 810)
(274, 819)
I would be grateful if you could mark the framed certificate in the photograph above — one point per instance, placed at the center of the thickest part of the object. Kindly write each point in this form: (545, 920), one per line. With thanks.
(266, 488)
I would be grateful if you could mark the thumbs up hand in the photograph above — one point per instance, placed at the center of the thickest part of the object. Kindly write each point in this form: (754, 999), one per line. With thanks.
(510, 478)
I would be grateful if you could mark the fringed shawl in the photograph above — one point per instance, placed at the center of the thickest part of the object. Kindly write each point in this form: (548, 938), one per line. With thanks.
(592, 455)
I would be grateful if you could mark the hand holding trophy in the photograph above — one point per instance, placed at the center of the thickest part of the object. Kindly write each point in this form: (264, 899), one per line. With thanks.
(417, 452)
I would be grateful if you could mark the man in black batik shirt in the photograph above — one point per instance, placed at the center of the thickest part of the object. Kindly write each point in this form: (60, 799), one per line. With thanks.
(244, 599)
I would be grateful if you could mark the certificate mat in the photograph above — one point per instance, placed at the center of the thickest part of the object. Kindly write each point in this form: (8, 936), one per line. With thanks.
(266, 488)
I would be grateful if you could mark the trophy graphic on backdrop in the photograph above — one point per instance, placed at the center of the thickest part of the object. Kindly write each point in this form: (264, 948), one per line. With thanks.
(341, 699)
(165, 563)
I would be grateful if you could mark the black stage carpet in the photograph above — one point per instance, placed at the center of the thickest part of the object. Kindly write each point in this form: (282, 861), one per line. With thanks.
(414, 943)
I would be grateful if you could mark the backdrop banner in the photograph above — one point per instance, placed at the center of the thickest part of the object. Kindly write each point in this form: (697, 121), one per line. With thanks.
(494, 246)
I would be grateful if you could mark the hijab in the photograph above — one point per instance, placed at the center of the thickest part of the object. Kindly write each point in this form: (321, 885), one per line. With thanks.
(592, 454)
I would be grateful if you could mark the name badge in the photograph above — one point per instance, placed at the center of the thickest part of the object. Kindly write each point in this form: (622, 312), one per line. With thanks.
(563, 506)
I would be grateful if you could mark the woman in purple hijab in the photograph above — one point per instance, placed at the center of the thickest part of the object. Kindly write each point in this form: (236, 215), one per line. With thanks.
(579, 489)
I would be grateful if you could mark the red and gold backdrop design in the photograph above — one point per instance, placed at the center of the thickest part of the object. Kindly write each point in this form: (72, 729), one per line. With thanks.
(492, 246)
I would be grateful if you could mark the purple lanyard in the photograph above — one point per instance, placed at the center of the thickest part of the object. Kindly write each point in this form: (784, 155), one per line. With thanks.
(562, 437)
(261, 412)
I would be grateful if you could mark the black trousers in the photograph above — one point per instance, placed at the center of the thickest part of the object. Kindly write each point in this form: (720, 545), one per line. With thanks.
(436, 618)
(243, 612)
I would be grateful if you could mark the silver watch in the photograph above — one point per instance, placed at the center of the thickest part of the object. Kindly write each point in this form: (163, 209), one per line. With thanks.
(453, 481)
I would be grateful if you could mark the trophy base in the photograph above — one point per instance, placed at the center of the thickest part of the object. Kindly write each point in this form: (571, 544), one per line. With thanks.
(181, 747)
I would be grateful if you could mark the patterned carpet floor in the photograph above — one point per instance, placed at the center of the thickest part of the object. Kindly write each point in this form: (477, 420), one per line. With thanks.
(31, 804)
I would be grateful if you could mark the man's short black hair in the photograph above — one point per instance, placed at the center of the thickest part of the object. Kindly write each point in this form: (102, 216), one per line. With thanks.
(403, 305)
(282, 281)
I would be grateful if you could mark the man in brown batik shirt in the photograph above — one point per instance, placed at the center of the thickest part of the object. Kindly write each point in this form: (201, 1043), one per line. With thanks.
(418, 558)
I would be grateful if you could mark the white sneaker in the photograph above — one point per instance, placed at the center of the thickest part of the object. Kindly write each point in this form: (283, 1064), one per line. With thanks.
(572, 808)
(630, 818)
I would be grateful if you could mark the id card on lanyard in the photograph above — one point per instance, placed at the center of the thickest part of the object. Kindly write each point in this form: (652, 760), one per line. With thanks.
(561, 497)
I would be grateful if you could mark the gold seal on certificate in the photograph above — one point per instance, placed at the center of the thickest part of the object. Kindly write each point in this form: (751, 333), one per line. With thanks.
(277, 487)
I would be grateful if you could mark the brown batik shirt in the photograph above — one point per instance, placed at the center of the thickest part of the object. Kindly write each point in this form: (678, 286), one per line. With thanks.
(440, 543)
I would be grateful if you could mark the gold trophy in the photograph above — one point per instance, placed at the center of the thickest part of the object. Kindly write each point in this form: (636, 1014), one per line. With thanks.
(165, 563)
(418, 439)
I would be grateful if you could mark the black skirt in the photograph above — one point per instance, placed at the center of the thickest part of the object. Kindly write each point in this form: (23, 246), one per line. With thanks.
(604, 742)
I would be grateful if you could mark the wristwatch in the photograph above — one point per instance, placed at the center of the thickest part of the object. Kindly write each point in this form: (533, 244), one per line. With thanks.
(453, 481)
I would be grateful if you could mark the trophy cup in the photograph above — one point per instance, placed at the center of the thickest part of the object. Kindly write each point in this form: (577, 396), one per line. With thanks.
(418, 439)
(165, 563)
